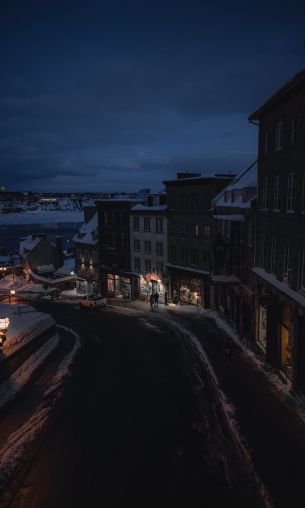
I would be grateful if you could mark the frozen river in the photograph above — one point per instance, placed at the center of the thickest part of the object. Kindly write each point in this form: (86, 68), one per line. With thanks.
(10, 234)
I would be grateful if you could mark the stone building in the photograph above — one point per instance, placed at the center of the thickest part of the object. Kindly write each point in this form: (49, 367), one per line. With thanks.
(148, 245)
(38, 254)
(280, 240)
(191, 232)
(231, 282)
(86, 246)
(115, 275)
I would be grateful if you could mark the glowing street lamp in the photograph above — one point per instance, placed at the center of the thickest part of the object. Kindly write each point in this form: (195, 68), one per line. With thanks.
(12, 293)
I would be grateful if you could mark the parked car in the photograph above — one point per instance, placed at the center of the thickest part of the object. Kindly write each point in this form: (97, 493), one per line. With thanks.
(93, 301)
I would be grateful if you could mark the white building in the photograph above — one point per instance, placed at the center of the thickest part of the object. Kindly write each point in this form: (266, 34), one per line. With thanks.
(148, 244)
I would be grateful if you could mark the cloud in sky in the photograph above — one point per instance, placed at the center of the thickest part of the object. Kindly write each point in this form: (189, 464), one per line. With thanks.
(113, 96)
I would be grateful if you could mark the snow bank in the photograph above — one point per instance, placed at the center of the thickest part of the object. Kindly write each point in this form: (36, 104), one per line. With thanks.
(11, 281)
(23, 326)
(10, 387)
(11, 454)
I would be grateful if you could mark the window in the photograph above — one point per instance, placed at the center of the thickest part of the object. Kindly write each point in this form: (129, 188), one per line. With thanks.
(136, 224)
(159, 248)
(183, 201)
(263, 250)
(147, 265)
(291, 193)
(183, 229)
(147, 246)
(267, 143)
(86, 254)
(206, 201)
(250, 234)
(273, 256)
(206, 258)
(184, 255)
(172, 228)
(95, 255)
(194, 256)
(108, 218)
(265, 193)
(206, 230)
(295, 129)
(287, 267)
(146, 224)
(279, 134)
(195, 230)
(195, 202)
(303, 194)
(172, 202)
(159, 268)
(159, 225)
(78, 253)
(223, 227)
(136, 245)
(137, 264)
(276, 193)
(172, 253)
(301, 274)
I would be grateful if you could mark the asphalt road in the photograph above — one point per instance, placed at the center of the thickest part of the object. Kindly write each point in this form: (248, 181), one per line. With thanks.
(274, 435)
(124, 432)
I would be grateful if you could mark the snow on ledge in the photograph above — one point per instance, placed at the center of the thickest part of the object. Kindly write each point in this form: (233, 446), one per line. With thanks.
(280, 285)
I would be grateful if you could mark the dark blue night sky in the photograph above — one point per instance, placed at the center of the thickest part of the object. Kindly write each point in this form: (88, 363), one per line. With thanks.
(118, 95)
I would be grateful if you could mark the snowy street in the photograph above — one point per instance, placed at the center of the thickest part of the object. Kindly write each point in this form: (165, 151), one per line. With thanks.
(140, 421)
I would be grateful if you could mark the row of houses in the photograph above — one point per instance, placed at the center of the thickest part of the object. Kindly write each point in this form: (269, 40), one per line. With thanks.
(232, 243)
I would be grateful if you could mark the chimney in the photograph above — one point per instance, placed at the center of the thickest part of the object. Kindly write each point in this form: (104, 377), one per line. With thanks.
(59, 252)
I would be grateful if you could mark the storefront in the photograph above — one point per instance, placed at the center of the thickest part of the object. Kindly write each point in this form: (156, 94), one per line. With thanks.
(86, 287)
(151, 284)
(119, 285)
(262, 326)
(189, 289)
(286, 340)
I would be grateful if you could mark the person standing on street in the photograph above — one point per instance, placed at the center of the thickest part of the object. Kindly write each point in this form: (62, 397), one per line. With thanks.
(156, 298)
(152, 301)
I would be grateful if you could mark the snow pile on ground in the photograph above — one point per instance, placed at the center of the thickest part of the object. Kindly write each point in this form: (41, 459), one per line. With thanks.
(64, 369)
(10, 387)
(12, 281)
(24, 325)
(17, 443)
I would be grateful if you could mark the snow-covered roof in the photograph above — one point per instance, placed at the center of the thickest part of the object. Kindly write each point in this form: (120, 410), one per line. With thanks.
(234, 217)
(28, 243)
(234, 194)
(143, 208)
(88, 232)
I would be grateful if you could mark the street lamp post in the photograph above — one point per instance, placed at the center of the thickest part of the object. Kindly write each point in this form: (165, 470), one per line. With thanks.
(12, 293)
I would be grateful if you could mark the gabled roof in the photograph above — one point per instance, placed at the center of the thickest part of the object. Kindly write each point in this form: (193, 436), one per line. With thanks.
(247, 179)
(88, 232)
(29, 243)
(297, 81)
